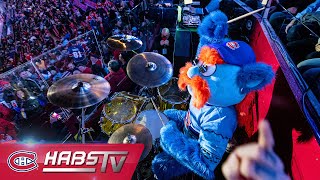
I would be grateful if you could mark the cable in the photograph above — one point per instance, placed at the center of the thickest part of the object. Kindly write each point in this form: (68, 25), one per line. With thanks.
(315, 34)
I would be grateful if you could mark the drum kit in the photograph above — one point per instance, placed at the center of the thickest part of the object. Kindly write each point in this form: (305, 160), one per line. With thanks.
(126, 118)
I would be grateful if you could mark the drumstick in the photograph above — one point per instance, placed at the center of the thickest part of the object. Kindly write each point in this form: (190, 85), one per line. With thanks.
(154, 104)
(245, 15)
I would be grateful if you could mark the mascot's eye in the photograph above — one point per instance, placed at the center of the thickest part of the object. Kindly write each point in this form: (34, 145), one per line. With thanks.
(209, 70)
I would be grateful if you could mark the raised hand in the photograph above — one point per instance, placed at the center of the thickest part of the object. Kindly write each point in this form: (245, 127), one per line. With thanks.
(255, 161)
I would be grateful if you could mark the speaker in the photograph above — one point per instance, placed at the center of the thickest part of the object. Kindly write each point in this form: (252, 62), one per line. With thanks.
(186, 43)
(185, 48)
(167, 16)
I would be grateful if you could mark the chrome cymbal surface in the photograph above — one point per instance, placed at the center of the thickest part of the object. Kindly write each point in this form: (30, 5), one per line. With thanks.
(124, 42)
(78, 91)
(149, 69)
(133, 134)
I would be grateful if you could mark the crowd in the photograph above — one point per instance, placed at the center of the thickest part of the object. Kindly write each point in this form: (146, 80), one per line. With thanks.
(297, 23)
(61, 39)
(34, 27)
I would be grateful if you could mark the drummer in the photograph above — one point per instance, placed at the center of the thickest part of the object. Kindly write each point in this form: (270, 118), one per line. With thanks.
(117, 78)
(124, 58)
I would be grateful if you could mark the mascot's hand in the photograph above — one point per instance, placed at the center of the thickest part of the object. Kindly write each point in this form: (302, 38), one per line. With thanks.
(170, 134)
(170, 127)
(185, 150)
(177, 116)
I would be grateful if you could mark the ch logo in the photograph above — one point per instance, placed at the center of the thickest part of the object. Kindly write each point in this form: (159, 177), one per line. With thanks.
(233, 45)
(22, 161)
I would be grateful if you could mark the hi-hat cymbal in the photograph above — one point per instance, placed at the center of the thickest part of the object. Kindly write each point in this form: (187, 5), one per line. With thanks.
(149, 69)
(133, 134)
(124, 42)
(78, 91)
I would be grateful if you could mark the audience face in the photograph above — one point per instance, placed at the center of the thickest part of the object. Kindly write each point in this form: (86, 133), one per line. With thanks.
(20, 94)
(25, 74)
(71, 66)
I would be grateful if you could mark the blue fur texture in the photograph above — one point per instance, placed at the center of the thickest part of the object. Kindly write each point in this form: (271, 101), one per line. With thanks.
(166, 167)
(177, 116)
(213, 29)
(254, 77)
(213, 5)
(185, 150)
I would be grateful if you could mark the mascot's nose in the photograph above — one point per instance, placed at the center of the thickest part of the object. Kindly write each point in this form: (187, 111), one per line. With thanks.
(194, 70)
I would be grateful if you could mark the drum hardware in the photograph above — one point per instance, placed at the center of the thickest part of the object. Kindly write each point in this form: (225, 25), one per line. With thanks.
(150, 70)
(133, 133)
(79, 92)
(65, 139)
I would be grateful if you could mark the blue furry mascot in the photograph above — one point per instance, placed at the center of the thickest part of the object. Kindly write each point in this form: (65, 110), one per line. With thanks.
(195, 140)
(213, 29)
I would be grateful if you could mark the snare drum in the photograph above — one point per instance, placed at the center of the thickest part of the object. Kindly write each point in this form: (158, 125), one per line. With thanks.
(150, 119)
(171, 97)
(118, 112)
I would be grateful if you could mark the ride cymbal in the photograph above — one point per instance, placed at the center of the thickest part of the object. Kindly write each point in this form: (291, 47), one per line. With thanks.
(149, 69)
(133, 134)
(78, 91)
(124, 42)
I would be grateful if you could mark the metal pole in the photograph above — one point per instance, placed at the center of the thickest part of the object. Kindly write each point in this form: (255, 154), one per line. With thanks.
(83, 126)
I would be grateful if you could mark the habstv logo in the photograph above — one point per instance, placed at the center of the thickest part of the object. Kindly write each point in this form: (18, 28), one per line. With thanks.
(41, 161)
(22, 161)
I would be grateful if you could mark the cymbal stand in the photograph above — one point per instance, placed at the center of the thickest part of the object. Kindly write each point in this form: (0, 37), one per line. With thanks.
(152, 101)
(83, 131)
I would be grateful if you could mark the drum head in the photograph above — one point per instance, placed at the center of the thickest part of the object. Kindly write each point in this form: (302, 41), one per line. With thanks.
(171, 93)
(151, 120)
(120, 110)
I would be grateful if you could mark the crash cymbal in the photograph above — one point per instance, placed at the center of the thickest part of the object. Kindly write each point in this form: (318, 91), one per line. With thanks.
(78, 91)
(133, 134)
(124, 42)
(149, 69)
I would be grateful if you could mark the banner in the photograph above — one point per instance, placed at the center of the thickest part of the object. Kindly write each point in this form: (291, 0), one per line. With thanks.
(69, 161)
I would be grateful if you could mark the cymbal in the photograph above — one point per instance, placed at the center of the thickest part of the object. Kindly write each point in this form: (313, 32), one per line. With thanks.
(133, 134)
(149, 69)
(78, 91)
(124, 42)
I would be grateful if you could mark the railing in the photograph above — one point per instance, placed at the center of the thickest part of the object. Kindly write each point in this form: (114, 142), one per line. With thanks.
(305, 98)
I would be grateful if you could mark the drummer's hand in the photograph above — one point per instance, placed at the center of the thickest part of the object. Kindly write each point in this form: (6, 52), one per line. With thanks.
(256, 160)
